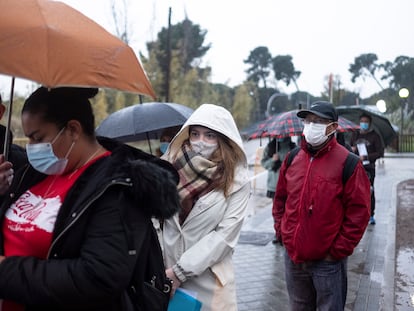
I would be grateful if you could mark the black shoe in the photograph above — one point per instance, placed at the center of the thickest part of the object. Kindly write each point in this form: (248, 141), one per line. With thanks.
(277, 241)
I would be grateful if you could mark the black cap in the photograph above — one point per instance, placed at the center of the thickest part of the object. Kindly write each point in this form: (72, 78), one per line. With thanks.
(322, 109)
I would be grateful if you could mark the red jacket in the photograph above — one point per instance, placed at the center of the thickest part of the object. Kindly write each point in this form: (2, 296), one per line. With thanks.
(314, 212)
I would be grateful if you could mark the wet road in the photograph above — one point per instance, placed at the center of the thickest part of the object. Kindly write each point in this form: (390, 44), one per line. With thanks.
(373, 269)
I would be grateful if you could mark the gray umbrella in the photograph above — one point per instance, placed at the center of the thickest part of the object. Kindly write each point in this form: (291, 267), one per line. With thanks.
(380, 123)
(143, 121)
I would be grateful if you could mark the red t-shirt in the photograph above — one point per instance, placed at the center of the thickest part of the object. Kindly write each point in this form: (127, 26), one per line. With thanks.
(29, 222)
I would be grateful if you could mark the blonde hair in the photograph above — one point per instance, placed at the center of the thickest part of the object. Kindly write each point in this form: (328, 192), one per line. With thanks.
(227, 156)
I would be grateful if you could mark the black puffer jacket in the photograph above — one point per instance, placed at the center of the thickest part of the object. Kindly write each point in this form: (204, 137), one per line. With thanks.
(88, 265)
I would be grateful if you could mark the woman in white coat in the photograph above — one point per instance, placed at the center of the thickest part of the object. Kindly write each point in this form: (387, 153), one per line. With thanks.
(214, 189)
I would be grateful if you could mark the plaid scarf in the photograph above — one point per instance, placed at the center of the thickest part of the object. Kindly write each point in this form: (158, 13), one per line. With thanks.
(196, 178)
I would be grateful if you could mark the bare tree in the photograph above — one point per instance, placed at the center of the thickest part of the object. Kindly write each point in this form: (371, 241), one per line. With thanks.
(120, 18)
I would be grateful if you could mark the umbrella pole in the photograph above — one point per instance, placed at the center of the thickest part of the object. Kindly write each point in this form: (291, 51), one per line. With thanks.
(9, 114)
(149, 142)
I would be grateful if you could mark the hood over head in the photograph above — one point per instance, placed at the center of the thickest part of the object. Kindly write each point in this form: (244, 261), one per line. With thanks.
(214, 117)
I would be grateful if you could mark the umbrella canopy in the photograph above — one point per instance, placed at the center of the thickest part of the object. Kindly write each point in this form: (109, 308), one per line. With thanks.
(55, 45)
(143, 121)
(380, 123)
(289, 124)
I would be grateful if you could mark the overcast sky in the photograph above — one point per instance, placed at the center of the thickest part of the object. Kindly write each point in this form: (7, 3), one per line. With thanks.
(322, 36)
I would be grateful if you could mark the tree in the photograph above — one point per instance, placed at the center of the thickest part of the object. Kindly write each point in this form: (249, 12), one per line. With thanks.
(99, 106)
(186, 41)
(120, 19)
(260, 60)
(120, 101)
(364, 65)
(154, 73)
(401, 72)
(285, 70)
(243, 106)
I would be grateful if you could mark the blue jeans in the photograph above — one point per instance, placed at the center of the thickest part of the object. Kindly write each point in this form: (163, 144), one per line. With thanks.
(316, 285)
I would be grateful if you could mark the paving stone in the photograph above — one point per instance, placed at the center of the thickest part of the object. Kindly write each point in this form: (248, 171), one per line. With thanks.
(260, 275)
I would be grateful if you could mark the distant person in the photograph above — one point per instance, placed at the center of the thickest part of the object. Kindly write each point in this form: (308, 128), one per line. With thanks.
(166, 136)
(319, 216)
(368, 145)
(17, 155)
(214, 189)
(340, 137)
(273, 156)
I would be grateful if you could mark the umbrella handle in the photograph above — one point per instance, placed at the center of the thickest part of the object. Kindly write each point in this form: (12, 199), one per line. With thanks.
(9, 114)
(149, 142)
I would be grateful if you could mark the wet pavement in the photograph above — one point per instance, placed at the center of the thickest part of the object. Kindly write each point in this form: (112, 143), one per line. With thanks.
(379, 278)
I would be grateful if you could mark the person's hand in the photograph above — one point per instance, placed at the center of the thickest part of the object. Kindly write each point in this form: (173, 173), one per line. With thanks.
(6, 174)
(175, 281)
(363, 157)
(275, 157)
(329, 258)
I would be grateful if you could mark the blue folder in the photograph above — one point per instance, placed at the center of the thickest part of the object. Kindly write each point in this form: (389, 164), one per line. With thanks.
(182, 301)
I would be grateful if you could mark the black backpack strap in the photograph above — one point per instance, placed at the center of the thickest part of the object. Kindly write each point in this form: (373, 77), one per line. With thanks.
(292, 154)
(349, 166)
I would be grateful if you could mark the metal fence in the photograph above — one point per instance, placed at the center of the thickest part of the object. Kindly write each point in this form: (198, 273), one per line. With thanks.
(406, 143)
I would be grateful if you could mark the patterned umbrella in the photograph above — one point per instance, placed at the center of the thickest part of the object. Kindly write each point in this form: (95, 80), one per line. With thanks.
(289, 124)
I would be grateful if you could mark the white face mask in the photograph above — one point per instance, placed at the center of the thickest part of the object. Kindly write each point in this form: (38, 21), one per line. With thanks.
(315, 133)
(202, 148)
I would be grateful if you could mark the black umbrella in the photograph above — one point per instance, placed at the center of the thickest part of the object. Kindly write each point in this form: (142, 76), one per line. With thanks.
(380, 123)
(143, 121)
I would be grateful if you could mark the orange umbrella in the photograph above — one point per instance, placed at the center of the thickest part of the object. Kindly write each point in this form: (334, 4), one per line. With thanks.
(55, 45)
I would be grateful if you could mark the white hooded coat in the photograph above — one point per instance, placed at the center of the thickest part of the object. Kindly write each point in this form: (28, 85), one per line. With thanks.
(203, 245)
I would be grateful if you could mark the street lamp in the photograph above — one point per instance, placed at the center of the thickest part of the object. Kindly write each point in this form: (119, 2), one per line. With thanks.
(403, 93)
(381, 105)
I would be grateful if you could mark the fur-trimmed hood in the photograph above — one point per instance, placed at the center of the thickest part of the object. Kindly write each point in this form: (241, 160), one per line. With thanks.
(150, 181)
(154, 181)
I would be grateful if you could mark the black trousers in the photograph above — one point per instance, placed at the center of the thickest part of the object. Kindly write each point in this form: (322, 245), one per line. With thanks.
(371, 175)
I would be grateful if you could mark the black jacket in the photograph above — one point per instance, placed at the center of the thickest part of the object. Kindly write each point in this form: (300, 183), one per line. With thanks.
(89, 264)
(17, 154)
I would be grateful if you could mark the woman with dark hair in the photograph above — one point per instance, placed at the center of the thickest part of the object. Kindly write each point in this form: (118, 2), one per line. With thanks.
(214, 189)
(69, 216)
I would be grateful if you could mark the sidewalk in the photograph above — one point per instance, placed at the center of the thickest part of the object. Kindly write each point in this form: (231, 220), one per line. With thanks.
(259, 269)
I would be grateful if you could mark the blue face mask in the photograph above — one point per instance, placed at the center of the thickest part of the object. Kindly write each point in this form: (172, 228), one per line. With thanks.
(364, 126)
(164, 147)
(44, 160)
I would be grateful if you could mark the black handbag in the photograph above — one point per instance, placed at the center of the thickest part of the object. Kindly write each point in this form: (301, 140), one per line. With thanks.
(149, 288)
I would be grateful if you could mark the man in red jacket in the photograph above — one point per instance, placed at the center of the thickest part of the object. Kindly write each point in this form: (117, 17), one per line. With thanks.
(319, 217)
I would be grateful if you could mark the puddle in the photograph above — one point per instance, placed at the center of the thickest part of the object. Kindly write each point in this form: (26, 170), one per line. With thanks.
(404, 279)
(377, 277)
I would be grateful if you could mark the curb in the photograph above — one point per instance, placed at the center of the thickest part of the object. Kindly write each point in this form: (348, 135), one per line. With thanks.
(388, 285)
